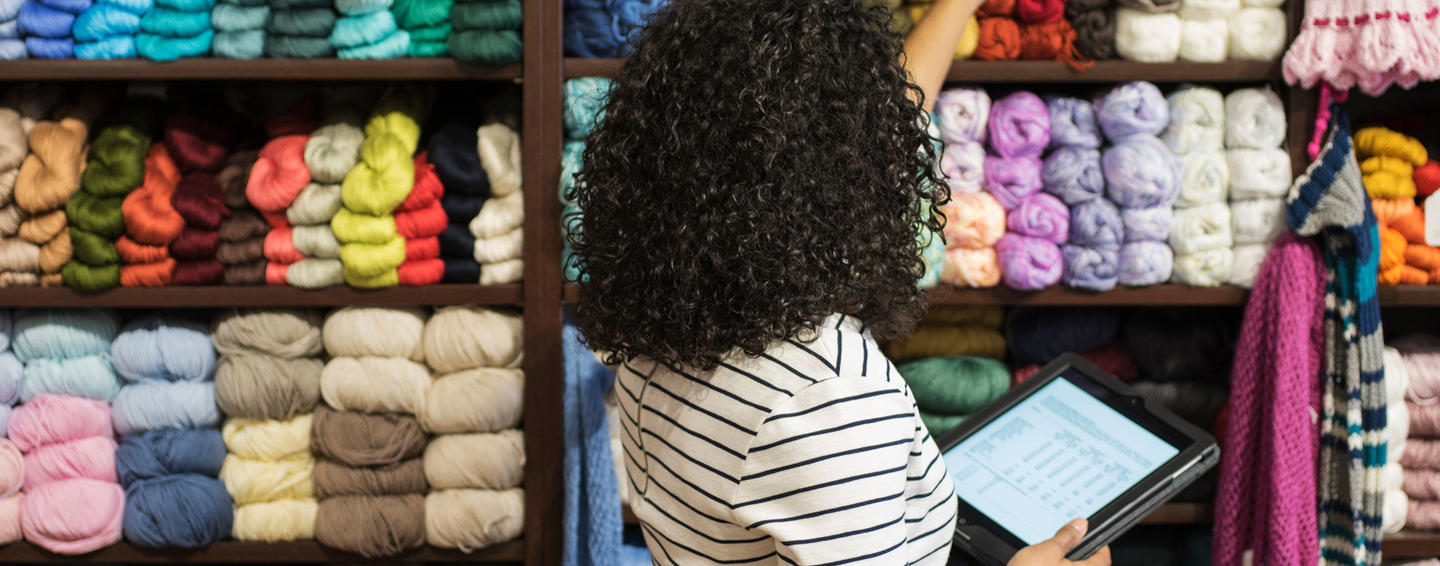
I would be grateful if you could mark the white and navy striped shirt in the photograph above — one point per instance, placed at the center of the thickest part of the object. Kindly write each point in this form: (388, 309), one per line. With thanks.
(812, 453)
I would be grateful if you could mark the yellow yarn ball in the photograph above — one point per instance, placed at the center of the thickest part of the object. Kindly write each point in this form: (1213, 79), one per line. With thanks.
(1376, 140)
(380, 281)
(472, 519)
(257, 481)
(365, 261)
(375, 331)
(276, 521)
(358, 227)
(268, 440)
(374, 384)
(477, 400)
(479, 461)
(464, 337)
(947, 341)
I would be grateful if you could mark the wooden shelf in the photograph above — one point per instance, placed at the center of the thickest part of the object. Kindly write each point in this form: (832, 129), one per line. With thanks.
(260, 296)
(256, 69)
(1409, 296)
(1411, 544)
(1045, 71)
(234, 552)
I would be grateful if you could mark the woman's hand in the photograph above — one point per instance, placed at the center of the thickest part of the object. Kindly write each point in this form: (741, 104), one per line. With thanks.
(1052, 552)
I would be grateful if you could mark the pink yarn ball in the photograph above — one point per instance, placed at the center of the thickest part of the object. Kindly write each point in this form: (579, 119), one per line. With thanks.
(1042, 216)
(1012, 180)
(973, 220)
(971, 268)
(53, 419)
(73, 516)
(86, 458)
(10, 518)
(12, 470)
(1028, 263)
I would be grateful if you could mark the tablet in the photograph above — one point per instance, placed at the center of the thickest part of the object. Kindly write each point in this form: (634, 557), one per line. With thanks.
(1072, 441)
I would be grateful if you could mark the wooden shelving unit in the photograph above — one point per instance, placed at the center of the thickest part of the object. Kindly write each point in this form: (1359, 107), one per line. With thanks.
(261, 296)
(231, 552)
(255, 70)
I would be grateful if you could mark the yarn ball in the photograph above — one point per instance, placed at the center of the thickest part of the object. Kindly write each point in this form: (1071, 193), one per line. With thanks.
(1245, 263)
(179, 511)
(1204, 178)
(334, 480)
(267, 387)
(1145, 37)
(1148, 224)
(1072, 123)
(979, 268)
(276, 521)
(1257, 34)
(11, 371)
(1090, 268)
(62, 333)
(54, 419)
(481, 461)
(88, 458)
(471, 519)
(372, 526)
(376, 385)
(585, 100)
(1180, 344)
(1254, 119)
(1259, 173)
(1074, 174)
(258, 481)
(1141, 171)
(475, 400)
(973, 220)
(1038, 335)
(999, 39)
(316, 204)
(12, 469)
(155, 348)
(1041, 216)
(1094, 30)
(962, 115)
(1019, 126)
(1203, 41)
(459, 338)
(90, 376)
(74, 516)
(267, 439)
(360, 439)
(963, 166)
(958, 385)
(154, 405)
(1197, 120)
(1096, 223)
(1028, 263)
(159, 453)
(1145, 263)
(1427, 178)
(275, 332)
(1207, 268)
(348, 332)
(1012, 180)
(1132, 108)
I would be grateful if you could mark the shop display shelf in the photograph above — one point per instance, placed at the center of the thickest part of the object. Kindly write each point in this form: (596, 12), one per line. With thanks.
(255, 69)
(260, 296)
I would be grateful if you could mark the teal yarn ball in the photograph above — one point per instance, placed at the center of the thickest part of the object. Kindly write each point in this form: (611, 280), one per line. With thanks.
(174, 23)
(585, 100)
(359, 31)
(305, 22)
(298, 47)
(232, 17)
(104, 20)
(90, 377)
(487, 47)
(240, 44)
(160, 349)
(120, 47)
(938, 425)
(137, 7)
(300, 4)
(154, 405)
(159, 48)
(63, 333)
(187, 5)
(394, 45)
(420, 13)
(571, 160)
(361, 7)
(436, 33)
(958, 385)
(422, 49)
(488, 15)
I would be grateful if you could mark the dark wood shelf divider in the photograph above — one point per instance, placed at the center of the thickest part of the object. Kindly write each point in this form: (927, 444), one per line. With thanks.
(234, 552)
(1033, 72)
(255, 69)
(1411, 544)
(261, 296)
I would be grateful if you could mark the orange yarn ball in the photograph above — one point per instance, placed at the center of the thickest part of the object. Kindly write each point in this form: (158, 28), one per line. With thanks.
(999, 39)
(1052, 41)
(1388, 210)
(1392, 250)
(150, 218)
(135, 252)
(147, 274)
(996, 8)
(1411, 225)
(1423, 257)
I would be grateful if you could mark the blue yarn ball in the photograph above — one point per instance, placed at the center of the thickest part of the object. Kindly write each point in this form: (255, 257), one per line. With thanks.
(153, 405)
(158, 48)
(155, 348)
(10, 30)
(36, 20)
(175, 23)
(168, 452)
(103, 21)
(72, 7)
(137, 7)
(585, 100)
(393, 46)
(591, 34)
(181, 511)
(63, 333)
(11, 370)
(48, 48)
(11, 49)
(119, 47)
(90, 377)
(240, 44)
(359, 31)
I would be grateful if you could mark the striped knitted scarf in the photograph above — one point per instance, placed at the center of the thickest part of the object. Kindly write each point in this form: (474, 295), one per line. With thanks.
(1329, 201)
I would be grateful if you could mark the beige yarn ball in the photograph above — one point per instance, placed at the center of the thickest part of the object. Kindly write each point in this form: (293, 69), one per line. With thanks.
(508, 271)
(268, 440)
(477, 400)
(501, 156)
(7, 185)
(316, 241)
(258, 481)
(481, 460)
(374, 385)
(472, 519)
(11, 217)
(316, 204)
(465, 337)
(276, 521)
(13, 144)
(500, 248)
(19, 255)
(499, 216)
(277, 332)
(259, 386)
(373, 331)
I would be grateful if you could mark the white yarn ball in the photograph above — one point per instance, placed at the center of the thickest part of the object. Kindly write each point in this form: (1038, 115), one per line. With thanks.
(1203, 41)
(374, 385)
(1201, 228)
(1197, 120)
(510, 245)
(508, 271)
(476, 461)
(1145, 37)
(1205, 178)
(1203, 269)
(1245, 264)
(464, 337)
(1258, 173)
(499, 216)
(1208, 9)
(1258, 221)
(1254, 119)
(375, 331)
(1257, 34)
(472, 519)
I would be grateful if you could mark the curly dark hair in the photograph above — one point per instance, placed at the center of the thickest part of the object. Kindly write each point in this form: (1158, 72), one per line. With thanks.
(762, 164)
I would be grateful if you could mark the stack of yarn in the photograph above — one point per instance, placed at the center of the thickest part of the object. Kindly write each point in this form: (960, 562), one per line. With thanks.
(16, 268)
(301, 29)
(176, 29)
(476, 463)
(1094, 24)
(48, 27)
(107, 29)
(1029, 253)
(367, 30)
(12, 465)
(73, 503)
(369, 474)
(952, 364)
(1200, 233)
(1418, 445)
(1240, 30)
(1148, 31)
(171, 449)
(601, 28)
(239, 28)
(488, 31)
(1142, 178)
(427, 22)
(12, 46)
(1388, 160)
(420, 220)
(453, 152)
(47, 179)
(242, 234)
(381, 181)
(1072, 174)
(116, 167)
(915, 11)
(200, 147)
(498, 228)
(268, 384)
(585, 100)
(331, 152)
(1260, 175)
(1360, 44)
(276, 180)
(974, 220)
(151, 224)
(1397, 432)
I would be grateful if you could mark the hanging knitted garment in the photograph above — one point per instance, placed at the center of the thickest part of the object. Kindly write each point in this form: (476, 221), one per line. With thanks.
(1267, 472)
(1329, 201)
(592, 523)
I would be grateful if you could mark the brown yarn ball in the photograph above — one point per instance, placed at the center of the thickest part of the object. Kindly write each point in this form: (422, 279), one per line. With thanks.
(252, 273)
(259, 386)
(372, 526)
(51, 173)
(54, 254)
(333, 479)
(362, 439)
(234, 176)
(243, 225)
(281, 333)
(232, 254)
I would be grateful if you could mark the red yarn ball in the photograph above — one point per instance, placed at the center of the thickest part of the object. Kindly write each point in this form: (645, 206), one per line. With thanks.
(1427, 178)
(421, 272)
(1039, 11)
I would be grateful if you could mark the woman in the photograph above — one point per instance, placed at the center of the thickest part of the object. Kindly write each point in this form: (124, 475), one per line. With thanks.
(751, 202)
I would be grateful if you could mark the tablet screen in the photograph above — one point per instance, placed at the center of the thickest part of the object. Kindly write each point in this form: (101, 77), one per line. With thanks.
(1057, 455)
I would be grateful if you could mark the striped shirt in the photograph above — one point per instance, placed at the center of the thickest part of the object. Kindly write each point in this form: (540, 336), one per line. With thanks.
(812, 453)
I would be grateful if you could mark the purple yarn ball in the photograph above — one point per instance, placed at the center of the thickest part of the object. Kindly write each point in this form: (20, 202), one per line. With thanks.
(1147, 224)
(1141, 172)
(1092, 269)
(1027, 263)
(1096, 224)
(1074, 174)
(1132, 108)
(1042, 216)
(1145, 263)
(963, 165)
(1072, 123)
(1020, 125)
(1012, 180)
(961, 114)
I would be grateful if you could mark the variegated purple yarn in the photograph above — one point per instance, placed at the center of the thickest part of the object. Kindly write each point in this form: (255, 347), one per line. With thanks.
(1090, 268)
(1074, 174)
(1096, 223)
(1019, 126)
(1145, 263)
(963, 165)
(1150, 224)
(1012, 180)
(962, 114)
(1042, 216)
(1130, 109)
(1072, 123)
(1141, 171)
(1028, 263)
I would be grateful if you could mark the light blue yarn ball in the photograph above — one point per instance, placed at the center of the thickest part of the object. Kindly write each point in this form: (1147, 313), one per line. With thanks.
(159, 48)
(359, 31)
(50, 48)
(90, 377)
(9, 9)
(63, 333)
(153, 405)
(155, 348)
(105, 20)
(137, 7)
(585, 100)
(570, 165)
(393, 46)
(233, 17)
(11, 49)
(118, 47)
(11, 370)
(10, 30)
(240, 44)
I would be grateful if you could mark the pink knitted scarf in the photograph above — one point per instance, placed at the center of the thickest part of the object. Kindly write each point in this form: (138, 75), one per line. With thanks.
(1266, 502)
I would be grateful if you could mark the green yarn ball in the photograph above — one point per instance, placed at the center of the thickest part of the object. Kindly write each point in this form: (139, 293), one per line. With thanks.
(99, 215)
(487, 47)
(90, 279)
(938, 425)
(492, 15)
(117, 161)
(298, 47)
(420, 13)
(436, 33)
(92, 249)
(958, 385)
(305, 22)
(422, 49)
